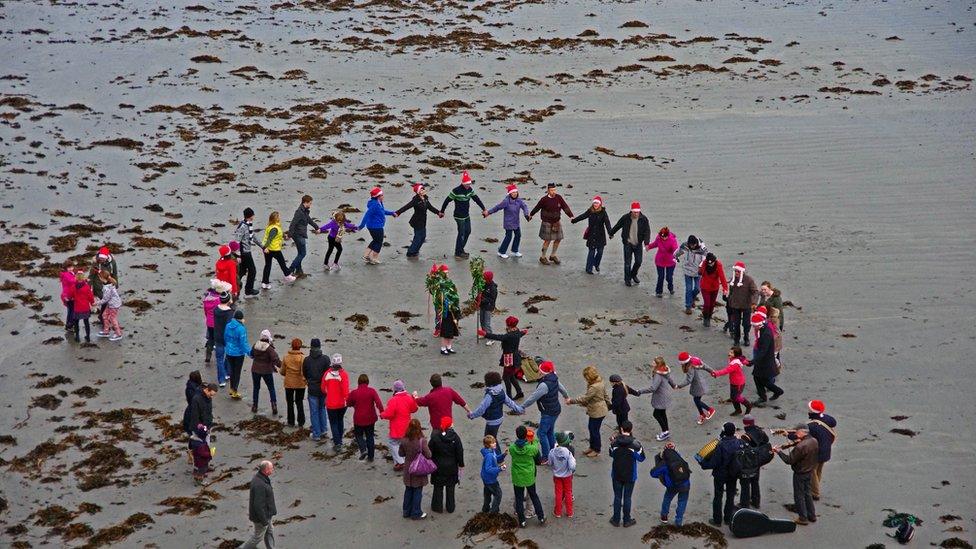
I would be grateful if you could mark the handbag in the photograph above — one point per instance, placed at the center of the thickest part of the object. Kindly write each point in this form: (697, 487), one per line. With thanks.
(422, 465)
(586, 233)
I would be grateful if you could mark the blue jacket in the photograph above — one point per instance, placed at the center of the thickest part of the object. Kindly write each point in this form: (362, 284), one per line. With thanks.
(512, 207)
(662, 473)
(493, 415)
(720, 461)
(490, 465)
(235, 339)
(375, 217)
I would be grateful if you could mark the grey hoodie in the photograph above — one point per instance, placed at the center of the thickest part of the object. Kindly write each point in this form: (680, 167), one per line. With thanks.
(692, 258)
(562, 462)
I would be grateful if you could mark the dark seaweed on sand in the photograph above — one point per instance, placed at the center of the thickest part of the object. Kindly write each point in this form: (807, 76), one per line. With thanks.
(488, 523)
(710, 536)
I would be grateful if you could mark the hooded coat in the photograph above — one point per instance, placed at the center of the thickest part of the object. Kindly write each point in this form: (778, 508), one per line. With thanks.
(626, 452)
(335, 385)
(266, 360)
(398, 411)
(448, 453)
(235, 339)
(666, 246)
(313, 368)
(523, 455)
(661, 388)
(692, 259)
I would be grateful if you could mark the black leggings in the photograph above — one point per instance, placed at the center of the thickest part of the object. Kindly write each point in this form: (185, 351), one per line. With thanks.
(510, 382)
(333, 245)
(236, 364)
(87, 327)
(268, 258)
(661, 416)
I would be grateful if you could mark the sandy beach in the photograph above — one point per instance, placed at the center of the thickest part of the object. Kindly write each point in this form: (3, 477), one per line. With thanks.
(830, 146)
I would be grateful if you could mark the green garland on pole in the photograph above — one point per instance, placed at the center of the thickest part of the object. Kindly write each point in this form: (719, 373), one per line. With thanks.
(440, 287)
(477, 267)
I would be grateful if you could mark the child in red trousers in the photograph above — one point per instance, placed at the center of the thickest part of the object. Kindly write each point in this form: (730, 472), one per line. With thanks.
(563, 465)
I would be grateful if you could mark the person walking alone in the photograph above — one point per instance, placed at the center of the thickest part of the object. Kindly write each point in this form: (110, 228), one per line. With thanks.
(635, 233)
(261, 507)
(462, 195)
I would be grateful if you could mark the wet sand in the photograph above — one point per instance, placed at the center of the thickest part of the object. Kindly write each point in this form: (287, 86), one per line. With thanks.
(853, 195)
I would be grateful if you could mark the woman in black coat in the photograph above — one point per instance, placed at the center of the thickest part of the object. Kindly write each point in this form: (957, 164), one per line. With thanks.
(596, 233)
(193, 385)
(448, 454)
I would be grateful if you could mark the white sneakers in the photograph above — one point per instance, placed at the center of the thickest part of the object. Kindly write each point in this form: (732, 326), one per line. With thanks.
(663, 436)
(489, 343)
(503, 256)
(290, 278)
(265, 286)
(517, 254)
(115, 338)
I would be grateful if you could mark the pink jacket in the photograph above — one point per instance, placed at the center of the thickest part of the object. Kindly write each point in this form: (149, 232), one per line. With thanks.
(67, 286)
(210, 302)
(665, 250)
(734, 371)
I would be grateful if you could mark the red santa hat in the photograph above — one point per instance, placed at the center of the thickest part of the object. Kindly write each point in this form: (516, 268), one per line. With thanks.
(816, 406)
(547, 367)
(739, 266)
(489, 276)
(465, 178)
(758, 319)
(376, 192)
(511, 189)
(104, 252)
(598, 200)
(223, 250)
(443, 268)
(761, 310)
(511, 321)
(684, 357)
(635, 206)
(416, 187)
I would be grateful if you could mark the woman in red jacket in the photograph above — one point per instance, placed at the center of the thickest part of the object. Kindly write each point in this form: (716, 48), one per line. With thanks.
(712, 278)
(365, 402)
(335, 385)
(84, 299)
(398, 410)
(227, 268)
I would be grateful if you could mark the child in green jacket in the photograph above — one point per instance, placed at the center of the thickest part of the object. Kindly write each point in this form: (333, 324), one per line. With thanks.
(525, 455)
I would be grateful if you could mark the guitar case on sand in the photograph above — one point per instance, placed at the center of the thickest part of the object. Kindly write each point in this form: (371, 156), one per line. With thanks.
(748, 523)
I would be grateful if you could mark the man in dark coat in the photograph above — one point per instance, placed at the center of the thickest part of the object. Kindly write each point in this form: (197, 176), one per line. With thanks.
(635, 233)
(261, 507)
(721, 461)
(313, 368)
(298, 231)
(200, 410)
(448, 453)
(822, 427)
(756, 437)
(764, 359)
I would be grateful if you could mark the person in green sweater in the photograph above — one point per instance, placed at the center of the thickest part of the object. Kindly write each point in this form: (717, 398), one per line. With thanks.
(525, 454)
(771, 298)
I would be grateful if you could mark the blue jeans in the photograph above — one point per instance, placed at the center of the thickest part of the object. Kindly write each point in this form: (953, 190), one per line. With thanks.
(511, 235)
(419, 235)
(622, 492)
(594, 425)
(221, 363)
(593, 258)
(700, 405)
(316, 412)
(256, 382)
(679, 513)
(691, 290)
(296, 265)
(336, 423)
(546, 434)
(411, 502)
(662, 274)
(464, 231)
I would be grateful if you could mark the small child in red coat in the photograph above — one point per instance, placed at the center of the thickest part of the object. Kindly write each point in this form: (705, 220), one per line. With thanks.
(84, 300)
(227, 268)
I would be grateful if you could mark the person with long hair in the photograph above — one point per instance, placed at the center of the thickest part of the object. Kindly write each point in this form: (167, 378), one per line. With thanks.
(597, 404)
(660, 390)
(274, 238)
(666, 244)
(598, 226)
(291, 369)
(696, 374)
(420, 205)
(335, 229)
(512, 206)
(413, 444)
(712, 279)
(375, 221)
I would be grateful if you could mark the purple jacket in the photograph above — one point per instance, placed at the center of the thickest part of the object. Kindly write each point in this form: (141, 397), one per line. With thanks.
(665, 250)
(333, 228)
(511, 207)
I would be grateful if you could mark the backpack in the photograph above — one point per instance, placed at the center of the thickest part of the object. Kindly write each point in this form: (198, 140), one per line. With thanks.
(530, 369)
(678, 469)
(746, 462)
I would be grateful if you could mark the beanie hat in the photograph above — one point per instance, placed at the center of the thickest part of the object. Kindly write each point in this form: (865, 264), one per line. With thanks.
(511, 321)
(266, 335)
(728, 429)
(635, 206)
(376, 192)
(692, 240)
(248, 212)
(748, 419)
(520, 432)
(551, 186)
(200, 430)
(239, 314)
(336, 360)
(511, 189)
(489, 276)
(598, 200)
(547, 367)
(417, 186)
(684, 357)
(446, 423)
(223, 250)
(225, 297)
(234, 245)
(398, 386)
(615, 378)
(561, 438)
(315, 343)
(758, 319)
(465, 178)
(816, 406)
